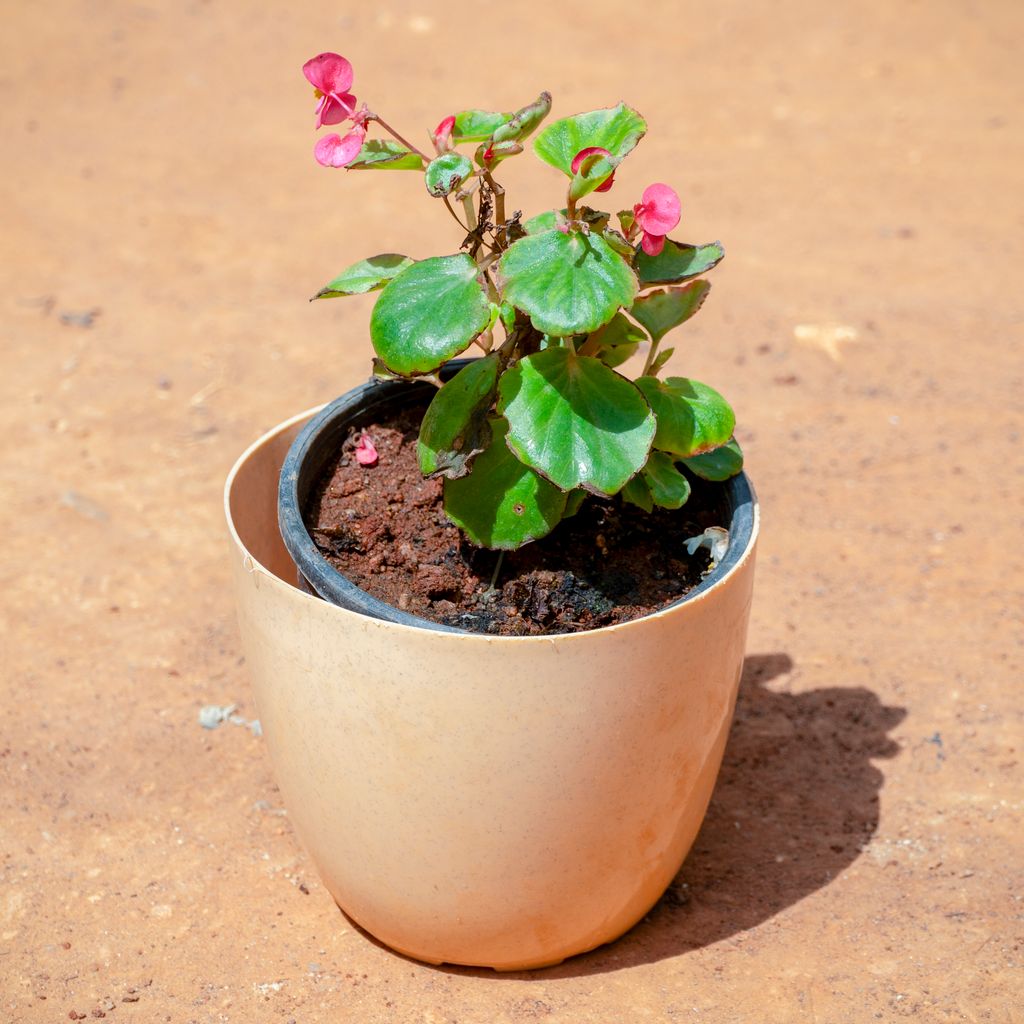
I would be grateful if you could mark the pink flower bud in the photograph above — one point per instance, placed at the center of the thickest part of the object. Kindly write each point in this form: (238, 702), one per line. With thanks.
(365, 452)
(442, 134)
(577, 162)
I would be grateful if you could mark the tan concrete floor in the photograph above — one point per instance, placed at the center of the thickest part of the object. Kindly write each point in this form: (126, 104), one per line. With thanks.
(163, 225)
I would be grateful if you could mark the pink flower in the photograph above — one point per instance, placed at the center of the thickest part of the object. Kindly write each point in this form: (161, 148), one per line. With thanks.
(335, 151)
(582, 155)
(366, 453)
(331, 76)
(442, 134)
(657, 214)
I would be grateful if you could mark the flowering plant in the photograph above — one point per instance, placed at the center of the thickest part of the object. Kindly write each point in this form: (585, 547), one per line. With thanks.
(543, 418)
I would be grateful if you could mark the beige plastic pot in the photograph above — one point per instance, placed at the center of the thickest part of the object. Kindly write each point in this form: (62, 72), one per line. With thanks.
(492, 801)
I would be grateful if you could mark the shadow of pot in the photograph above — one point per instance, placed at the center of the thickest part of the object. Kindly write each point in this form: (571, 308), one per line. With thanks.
(490, 801)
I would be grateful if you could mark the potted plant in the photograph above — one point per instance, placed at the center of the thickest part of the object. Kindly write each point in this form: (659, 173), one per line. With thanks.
(491, 799)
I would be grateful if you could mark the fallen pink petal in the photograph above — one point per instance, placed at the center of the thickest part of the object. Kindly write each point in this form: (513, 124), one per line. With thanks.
(335, 151)
(366, 453)
(582, 155)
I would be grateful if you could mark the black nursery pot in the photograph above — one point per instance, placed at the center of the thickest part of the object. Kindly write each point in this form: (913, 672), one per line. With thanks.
(320, 441)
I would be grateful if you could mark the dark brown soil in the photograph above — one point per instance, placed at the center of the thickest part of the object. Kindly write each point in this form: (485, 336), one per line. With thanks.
(383, 527)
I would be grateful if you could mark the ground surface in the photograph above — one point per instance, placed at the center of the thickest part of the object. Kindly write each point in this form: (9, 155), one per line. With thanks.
(163, 225)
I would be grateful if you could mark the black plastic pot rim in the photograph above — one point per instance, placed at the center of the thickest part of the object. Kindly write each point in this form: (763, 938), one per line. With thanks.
(322, 437)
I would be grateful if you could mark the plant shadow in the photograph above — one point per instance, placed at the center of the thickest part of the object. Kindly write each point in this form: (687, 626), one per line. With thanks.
(796, 801)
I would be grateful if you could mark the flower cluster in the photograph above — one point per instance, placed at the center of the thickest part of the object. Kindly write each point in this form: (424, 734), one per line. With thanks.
(331, 76)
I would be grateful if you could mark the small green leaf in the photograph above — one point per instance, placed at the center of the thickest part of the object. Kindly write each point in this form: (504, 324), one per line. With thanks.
(454, 429)
(677, 262)
(617, 129)
(618, 242)
(476, 125)
(430, 312)
(524, 120)
(668, 487)
(593, 172)
(502, 503)
(384, 155)
(446, 173)
(568, 283)
(718, 464)
(576, 421)
(574, 502)
(627, 218)
(692, 418)
(614, 343)
(542, 222)
(365, 276)
(636, 492)
(662, 310)
(659, 361)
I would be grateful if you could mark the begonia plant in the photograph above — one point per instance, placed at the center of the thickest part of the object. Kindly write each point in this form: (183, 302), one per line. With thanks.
(554, 304)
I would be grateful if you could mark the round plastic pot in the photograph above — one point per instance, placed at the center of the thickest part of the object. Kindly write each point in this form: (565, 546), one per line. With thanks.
(491, 801)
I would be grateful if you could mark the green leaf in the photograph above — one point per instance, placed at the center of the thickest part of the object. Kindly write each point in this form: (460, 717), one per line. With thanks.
(660, 360)
(593, 172)
(524, 120)
(677, 262)
(365, 276)
(384, 155)
(542, 222)
(568, 283)
(454, 429)
(446, 173)
(576, 421)
(662, 310)
(718, 464)
(476, 125)
(627, 218)
(574, 502)
(502, 503)
(430, 312)
(617, 129)
(692, 418)
(618, 242)
(668, 487)
(636, 492)
(614, 343)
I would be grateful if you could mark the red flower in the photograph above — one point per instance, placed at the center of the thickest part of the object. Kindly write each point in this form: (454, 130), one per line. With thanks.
(582, 155)
(657, 214)
(330, 74)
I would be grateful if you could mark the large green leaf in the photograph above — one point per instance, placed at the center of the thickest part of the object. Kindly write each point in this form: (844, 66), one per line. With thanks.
(541, 222)
(502, 503)
(455, 428)
(718, 464)
(385, 155)
(617, 129)
(476, 125)
(668, 487)
(678, 262)
(524, 120)
(365, 276)
(692, 418)
(430, 312)
(576, 421)
(568, 283)
(666, 308)
(446, 173)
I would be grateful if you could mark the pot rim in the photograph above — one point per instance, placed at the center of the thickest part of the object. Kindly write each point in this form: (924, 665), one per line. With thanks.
(328, 582)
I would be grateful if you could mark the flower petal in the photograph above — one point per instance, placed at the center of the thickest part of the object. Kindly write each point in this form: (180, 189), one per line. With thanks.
(335, 151)
(328, 72)
(334, 109)
(652, 244)
(443, 132)
(366, 452)
(659, 211)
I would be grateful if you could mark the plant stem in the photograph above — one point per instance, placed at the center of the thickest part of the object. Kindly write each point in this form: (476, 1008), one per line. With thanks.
(650, 357)
(498, 192)
(408, 145)
(497, 569)
(455, 215)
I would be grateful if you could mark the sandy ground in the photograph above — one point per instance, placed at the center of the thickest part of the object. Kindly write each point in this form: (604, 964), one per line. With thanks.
(163, 224)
